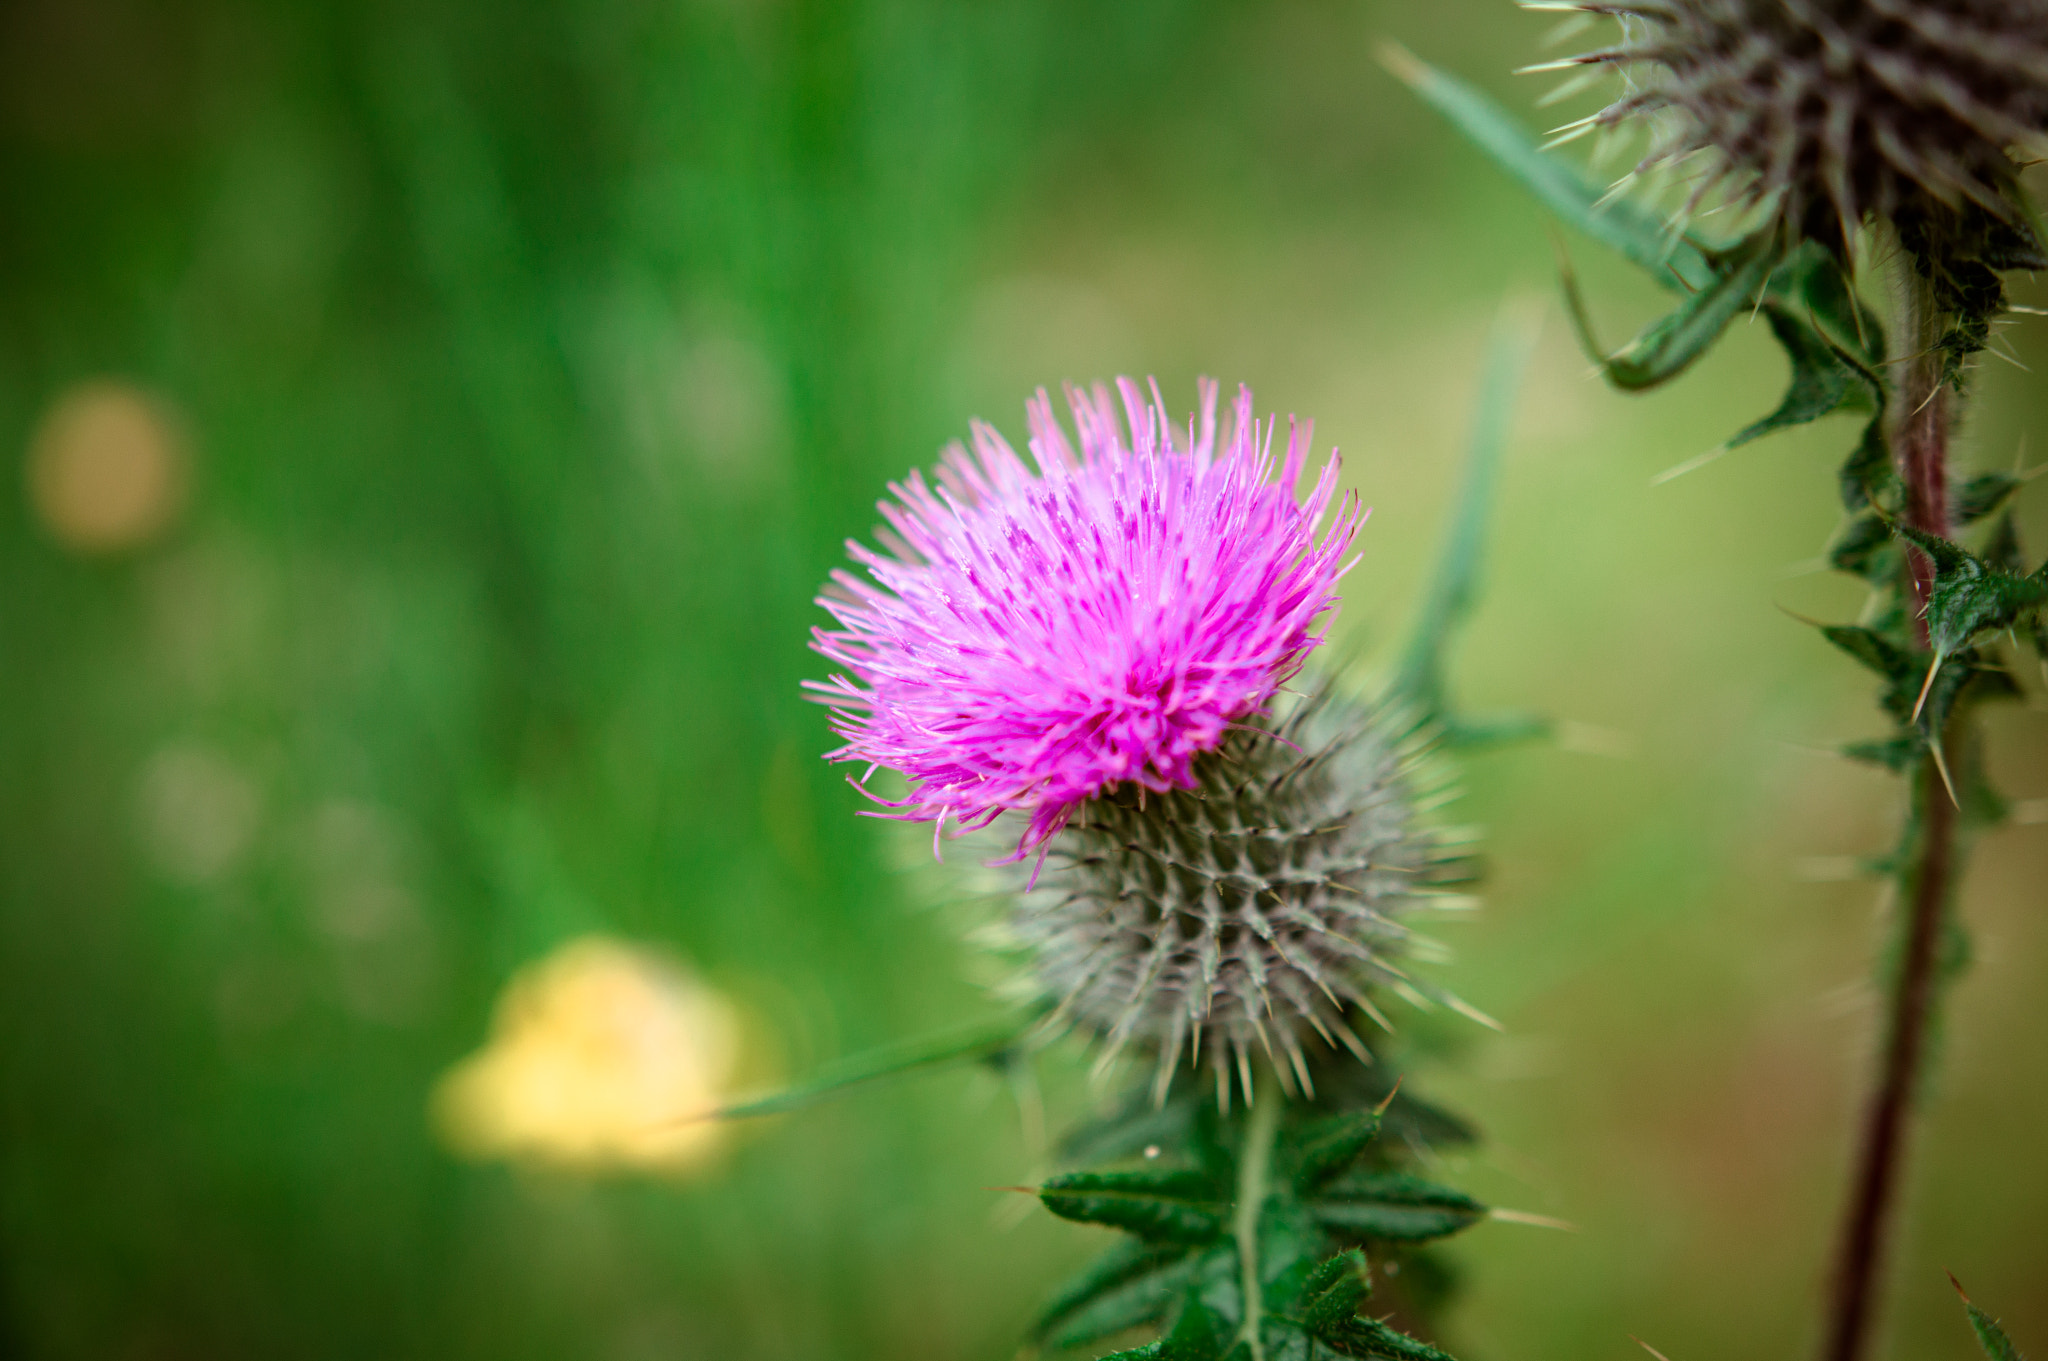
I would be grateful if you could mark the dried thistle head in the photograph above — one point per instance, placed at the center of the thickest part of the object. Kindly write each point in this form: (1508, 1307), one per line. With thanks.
(1818, 112)
(1256, 911)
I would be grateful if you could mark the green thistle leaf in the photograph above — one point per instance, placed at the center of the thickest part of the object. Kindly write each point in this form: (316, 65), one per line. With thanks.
(1895, 754)
(1668, 346)
(1332, 1194)
(1198, 1335)
(1970, 596)
(1395, 1207)
(1867, 477)
(1369, 1338)
(1183, 1205)
(1983, 496)
(1997, 1346)
(2002, 550)
(1133, 1284)
(1813, 284)
(1821, 383)
(1330, 1146)
(1334, 1291)
(1896, 664)
(1866, 548)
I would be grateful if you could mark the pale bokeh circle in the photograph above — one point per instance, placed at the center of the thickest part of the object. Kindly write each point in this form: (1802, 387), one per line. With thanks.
(106, 468)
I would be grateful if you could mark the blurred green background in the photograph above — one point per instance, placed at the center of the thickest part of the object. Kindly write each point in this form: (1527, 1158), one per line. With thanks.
(527, 365)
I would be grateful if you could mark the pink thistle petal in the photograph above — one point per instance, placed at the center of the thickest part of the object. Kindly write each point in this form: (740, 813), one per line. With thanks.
(1031, 639)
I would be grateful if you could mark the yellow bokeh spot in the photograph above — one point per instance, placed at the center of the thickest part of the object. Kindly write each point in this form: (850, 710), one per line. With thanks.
(602, 1055)
(106, 468)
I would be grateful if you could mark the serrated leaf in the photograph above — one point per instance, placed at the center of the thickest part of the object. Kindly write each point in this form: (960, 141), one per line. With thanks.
(1867, 477)
(1133, 1284)
(1198, 1334)
(1370, 1338)
(1969, 596)
(1129, 1128)
(1865, 548)
(1639, 236)
(1669, 345)
(1820, 386)
(1409, 1122)
(1812, 281)
(1983, 495)
(1334, 1291)
(1875, 651)
(1327, 1147)
(1183, 1205)
(1394, 1207)
(1895, 754)
(1996, 1345)
(2002, 549)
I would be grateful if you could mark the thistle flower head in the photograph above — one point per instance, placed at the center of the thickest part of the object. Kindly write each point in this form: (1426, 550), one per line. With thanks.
(1031, 636)
(1254, 910)
(1821, 111)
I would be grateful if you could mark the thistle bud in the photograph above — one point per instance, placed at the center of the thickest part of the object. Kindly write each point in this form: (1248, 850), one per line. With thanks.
(1818, 112)
(1258, 910)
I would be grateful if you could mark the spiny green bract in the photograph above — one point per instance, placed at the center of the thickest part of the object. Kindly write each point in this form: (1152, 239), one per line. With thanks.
(1254, 911)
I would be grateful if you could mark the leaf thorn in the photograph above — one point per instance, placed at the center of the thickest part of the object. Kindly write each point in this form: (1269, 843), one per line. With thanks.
(1925, 686)
(1941, 769)
(1690, 465)
(1533, 1220)
(1648, 1348)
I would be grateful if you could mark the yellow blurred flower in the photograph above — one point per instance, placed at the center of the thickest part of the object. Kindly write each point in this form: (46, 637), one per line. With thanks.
(107, 468)
(600, 1056)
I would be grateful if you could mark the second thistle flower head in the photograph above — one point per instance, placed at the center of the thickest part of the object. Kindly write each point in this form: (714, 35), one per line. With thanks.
(1820, 111)
(1032, 636)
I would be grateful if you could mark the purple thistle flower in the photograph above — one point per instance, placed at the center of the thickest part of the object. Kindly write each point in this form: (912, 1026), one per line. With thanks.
(1030, 640)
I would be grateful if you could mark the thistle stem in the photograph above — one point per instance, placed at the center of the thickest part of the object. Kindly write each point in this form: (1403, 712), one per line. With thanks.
(1254, 1166)
(1920, 449)
(1920, 441)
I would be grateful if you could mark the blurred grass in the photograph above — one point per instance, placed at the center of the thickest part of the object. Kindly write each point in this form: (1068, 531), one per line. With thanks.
(536, 360)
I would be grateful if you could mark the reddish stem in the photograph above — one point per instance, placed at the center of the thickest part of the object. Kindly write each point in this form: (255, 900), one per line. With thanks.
(1920, 450)
(1874, 1191)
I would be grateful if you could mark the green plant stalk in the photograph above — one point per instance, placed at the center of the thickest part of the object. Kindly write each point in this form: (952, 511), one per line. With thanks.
(1927, 872)
(1253, 1169)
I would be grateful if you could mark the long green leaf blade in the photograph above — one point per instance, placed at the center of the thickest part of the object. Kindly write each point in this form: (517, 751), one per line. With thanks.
(1618, 224)
(1454, 587)
(971, 1042)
